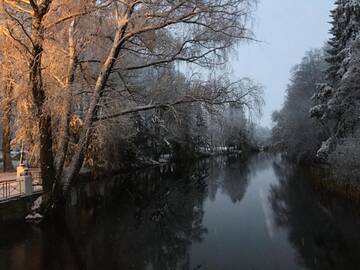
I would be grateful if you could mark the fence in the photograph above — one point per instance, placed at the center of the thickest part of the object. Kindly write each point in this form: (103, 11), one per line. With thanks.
(10, 188)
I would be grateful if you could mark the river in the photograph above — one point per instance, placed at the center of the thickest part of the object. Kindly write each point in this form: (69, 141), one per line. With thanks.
(223, 213)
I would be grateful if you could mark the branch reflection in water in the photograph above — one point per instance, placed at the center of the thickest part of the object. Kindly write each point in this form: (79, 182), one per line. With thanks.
(146, 220)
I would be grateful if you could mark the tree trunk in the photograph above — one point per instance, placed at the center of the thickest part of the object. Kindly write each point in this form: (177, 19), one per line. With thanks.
(46, 153)
(79, 155)
(36, 82)
(6, 125)
(64, 135)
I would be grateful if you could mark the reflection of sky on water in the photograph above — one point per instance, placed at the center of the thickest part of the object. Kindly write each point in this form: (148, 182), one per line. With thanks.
(241, 232)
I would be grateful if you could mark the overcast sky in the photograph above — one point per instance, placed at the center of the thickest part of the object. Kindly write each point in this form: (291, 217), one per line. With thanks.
(287, 28)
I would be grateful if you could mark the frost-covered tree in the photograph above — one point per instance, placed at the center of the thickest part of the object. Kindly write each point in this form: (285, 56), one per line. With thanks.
(295, 132)
(337, 100)
(345, 34)
(89, 65)
(7, 102)
(235, 127)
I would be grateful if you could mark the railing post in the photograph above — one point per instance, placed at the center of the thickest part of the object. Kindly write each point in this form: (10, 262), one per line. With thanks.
(25, 179)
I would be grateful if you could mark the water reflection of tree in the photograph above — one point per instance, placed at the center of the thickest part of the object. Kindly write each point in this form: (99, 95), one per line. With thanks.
(236, 179)
(146, 221)
(231, 175)
(149, 223)
(323, 229)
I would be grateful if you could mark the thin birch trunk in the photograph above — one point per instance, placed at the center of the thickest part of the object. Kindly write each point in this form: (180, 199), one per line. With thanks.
(79, 155)
(64, 136)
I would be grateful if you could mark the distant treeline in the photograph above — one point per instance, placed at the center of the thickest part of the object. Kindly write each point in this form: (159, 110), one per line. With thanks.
(320, 119)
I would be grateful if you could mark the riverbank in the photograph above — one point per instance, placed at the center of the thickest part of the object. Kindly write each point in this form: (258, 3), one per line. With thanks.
(146, 163)
(16, 209)
(20, 206)
(325, 180)
(345, 190)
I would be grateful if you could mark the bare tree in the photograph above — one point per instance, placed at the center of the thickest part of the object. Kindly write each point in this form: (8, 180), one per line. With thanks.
(208, 29)
(107, 47)
(29, 27)
(7, 95)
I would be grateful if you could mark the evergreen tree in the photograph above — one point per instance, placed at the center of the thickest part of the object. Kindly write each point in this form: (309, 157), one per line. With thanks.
(345, 33)
(338, 100)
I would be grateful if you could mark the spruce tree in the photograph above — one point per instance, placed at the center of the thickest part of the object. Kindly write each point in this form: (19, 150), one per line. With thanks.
(338, 99)
(345, 33)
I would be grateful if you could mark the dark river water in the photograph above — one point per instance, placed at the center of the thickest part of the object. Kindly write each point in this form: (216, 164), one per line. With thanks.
(224, 213)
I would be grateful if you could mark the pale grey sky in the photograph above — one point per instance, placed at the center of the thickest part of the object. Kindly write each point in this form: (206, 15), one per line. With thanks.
(287, 28)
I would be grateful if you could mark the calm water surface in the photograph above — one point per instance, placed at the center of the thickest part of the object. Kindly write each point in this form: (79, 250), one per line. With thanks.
(217, 214)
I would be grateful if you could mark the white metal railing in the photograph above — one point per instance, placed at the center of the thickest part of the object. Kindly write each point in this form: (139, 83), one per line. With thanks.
(9, 189)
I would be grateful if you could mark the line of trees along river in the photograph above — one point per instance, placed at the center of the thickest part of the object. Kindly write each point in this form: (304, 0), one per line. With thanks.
(320, 120)
(105, 85)
(111, 85)
(101, 83)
